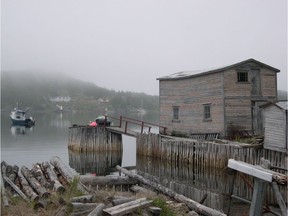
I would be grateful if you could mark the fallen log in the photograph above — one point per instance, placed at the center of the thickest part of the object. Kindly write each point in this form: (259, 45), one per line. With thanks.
(97, 211)
(4, 168)
(52, 176)
(16, 188)
(3, 192)
(128, 207)
(119, 201)
(139, 189)
(34, 183)
(38, 174)
(27, 189)
(79, 208)
(82, 199)
(107, 180)
(42, 203)
(193, 205)
(67, 173)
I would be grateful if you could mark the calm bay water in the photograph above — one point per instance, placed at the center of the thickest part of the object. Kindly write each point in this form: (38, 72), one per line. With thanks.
(27, 146)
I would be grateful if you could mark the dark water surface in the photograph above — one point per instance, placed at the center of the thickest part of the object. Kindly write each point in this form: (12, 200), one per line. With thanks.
(27, 146)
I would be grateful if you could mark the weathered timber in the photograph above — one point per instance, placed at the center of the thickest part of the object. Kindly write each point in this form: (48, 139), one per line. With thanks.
(155, 211)
(82, 199)
(257, 171)
(119, 201)
(128, 207)
(87, 139)
(139, 189)
(279, 198)
(16, 188)
(67, 173)
(193, 213)
(193, 205)
(53, 178)
(107, 180)
(38, 174)
(42, 203)
(3, 192)
(97, 211)
(34, 183)
(80, 207)
(27, 189)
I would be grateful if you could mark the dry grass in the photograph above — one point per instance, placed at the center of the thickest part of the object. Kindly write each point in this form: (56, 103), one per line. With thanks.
(22, 208)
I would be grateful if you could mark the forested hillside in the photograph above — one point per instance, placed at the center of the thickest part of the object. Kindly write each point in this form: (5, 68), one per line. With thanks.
(34, 90)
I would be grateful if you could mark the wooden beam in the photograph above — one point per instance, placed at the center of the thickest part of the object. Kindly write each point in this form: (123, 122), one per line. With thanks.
(250, 170)
(202, 209)
(127, 207)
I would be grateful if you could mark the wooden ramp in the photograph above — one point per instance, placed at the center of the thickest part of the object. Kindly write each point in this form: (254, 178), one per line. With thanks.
(123, 125)
(122, 131)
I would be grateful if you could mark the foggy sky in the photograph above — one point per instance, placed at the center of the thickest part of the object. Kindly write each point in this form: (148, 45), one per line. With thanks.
(126, 44)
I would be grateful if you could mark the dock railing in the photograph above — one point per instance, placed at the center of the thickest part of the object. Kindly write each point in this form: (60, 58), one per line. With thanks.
(124, 122)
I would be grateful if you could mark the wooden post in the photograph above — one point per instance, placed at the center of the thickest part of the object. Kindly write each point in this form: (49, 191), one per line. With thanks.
(142, 127)
(120, 123)
(259, 190)
(279, 199)
(126, 125)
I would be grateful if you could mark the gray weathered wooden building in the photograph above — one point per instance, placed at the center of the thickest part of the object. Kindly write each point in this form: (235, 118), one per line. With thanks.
(217, 101)
(275, 126)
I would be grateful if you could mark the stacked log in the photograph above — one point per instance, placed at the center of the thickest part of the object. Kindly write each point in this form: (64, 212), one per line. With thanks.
(52, 177)
(35, 185)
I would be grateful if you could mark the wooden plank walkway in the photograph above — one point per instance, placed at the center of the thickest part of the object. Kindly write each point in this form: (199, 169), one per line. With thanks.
(122, 131)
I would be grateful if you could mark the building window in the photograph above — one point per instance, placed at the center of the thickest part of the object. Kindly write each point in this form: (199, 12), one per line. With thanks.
(207, 111)
(242, 76)
(176, 113)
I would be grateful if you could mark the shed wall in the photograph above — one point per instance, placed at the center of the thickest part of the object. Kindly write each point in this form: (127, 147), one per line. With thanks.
(190, 95)
(275, 123)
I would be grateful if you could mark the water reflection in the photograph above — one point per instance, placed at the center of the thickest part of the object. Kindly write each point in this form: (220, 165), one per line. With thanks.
(193, 182)
(99, 163)
(20, 130)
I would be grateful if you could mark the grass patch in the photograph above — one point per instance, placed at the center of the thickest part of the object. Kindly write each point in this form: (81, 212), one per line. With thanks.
(161, 203)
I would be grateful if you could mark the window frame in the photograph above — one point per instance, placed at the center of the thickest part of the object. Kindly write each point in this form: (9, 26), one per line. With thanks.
(207, 114)
(242, 76)
(176, 114)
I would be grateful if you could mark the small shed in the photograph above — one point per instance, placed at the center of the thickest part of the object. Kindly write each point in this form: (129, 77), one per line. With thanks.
(275, 126)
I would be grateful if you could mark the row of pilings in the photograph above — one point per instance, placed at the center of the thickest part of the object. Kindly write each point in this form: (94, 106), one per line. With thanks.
(203, 164)
(203, 156)
(205, 153)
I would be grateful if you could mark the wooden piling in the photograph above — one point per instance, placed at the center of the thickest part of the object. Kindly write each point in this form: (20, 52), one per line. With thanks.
(92, 139)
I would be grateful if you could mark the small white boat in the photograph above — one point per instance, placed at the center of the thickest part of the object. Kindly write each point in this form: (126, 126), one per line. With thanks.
(18, 117)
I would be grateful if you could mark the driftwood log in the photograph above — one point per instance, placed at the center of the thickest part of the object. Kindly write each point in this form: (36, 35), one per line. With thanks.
(38, 174)
(15, 187)
(82, 208)
(34, 183)
(107, 180)
(97, 211)
(3, 192)
(67, 173)
(193, 205)
(118, 201)
(53, 178)
(83, 199)
(128, 207)
(27, 189)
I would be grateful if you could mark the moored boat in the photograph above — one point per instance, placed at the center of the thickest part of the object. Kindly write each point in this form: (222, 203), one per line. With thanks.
(18, 117)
